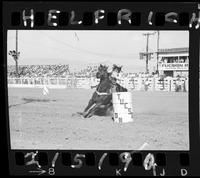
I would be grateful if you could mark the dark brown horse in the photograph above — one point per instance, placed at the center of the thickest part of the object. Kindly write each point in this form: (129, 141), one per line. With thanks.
(101, 100)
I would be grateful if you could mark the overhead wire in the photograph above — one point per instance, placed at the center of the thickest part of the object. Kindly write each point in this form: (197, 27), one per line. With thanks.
(80, 50)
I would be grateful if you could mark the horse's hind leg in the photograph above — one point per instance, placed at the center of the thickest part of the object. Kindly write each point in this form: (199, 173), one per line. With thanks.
(109, 111)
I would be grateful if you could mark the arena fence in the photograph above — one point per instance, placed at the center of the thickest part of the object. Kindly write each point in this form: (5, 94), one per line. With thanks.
(139, 84)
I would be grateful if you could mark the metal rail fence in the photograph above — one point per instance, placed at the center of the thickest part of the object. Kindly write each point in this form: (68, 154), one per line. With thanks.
(139, 83)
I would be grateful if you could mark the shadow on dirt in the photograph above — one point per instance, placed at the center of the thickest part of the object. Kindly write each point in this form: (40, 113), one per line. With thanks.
(31, 100)
(99, 112)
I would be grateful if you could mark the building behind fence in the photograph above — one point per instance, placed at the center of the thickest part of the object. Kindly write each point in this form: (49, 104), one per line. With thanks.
(131, 83)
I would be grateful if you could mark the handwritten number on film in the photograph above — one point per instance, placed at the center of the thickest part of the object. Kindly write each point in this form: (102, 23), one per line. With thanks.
(51, 171)
(149, 163)
(32, 161)
(125, 157)
(77, 159)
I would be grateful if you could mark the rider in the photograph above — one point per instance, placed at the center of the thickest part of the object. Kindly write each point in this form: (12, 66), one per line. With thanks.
(115, 76)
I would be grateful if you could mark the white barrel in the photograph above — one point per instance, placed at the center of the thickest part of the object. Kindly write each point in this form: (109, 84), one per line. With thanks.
(122, 106)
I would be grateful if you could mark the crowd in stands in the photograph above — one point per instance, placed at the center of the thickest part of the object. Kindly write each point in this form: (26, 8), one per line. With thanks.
(63, 71)
(49, 71)
(38, 71)
(89, 71)
(31, 71)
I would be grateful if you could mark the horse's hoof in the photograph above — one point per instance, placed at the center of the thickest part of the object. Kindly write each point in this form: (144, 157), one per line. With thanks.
(89, 116)
(80, 113)
(84, 116)
(74, 114)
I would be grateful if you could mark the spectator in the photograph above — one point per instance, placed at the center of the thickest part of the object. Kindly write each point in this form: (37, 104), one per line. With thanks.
(178, 84)
(39, 71)
(146, 84)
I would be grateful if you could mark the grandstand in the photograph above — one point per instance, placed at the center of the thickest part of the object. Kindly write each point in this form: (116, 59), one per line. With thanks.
(60, 76)
(39, 71)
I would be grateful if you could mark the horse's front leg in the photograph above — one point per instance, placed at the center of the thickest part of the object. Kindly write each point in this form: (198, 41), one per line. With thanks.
(86, 113)
(91, 102)
(93, 109)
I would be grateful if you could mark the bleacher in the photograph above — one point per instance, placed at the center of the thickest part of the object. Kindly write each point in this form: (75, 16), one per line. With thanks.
(60, 76)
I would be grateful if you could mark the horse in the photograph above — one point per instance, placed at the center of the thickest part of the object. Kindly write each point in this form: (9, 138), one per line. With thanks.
(102, 97)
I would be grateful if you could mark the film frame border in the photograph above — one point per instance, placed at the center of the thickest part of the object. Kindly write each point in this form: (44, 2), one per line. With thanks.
(111, 167)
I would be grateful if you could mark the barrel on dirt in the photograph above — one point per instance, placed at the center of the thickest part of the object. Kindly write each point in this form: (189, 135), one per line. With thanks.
(123, 107)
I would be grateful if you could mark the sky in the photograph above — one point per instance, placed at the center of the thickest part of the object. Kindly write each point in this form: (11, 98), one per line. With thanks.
(82, 48)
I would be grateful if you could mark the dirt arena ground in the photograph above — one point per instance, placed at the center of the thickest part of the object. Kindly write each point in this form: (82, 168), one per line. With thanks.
(46, 122)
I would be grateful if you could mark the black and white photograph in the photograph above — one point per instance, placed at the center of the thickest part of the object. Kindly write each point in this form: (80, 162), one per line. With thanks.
(98, 89)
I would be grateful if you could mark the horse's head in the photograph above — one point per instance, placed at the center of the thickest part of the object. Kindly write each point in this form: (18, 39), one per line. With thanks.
(102, 71)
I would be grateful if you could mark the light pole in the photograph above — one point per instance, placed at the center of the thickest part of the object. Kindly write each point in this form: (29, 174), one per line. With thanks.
(158, 39)
(147, 54)
(15, 54)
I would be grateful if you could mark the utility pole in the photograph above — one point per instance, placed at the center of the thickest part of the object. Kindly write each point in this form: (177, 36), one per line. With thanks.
(15, 54)
(158, 40)
(16, 60)
(147, 54)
